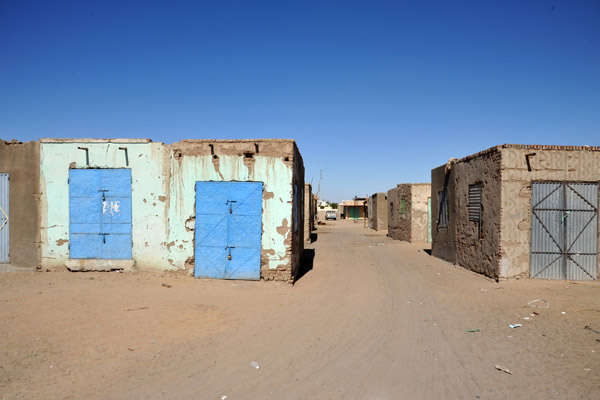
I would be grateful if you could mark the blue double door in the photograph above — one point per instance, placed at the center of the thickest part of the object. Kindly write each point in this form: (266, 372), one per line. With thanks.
(100, 213)
(228, 230)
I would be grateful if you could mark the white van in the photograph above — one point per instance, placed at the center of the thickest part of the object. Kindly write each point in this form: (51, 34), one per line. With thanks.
(330, 214)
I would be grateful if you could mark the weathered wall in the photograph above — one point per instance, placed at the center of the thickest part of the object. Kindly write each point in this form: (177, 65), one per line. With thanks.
(298, 218)
(219, 160)
(443, 238)
(309, 212)
(478, 244)
(399, 224)
(550, 163)
(420, 192)
(21, 162)
(380, 211)
(150, 184)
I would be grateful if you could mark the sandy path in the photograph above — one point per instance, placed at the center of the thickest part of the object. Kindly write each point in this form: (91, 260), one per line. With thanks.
(368, 321)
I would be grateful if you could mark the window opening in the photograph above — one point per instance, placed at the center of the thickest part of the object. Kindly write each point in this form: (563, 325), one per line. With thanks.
(443, 209)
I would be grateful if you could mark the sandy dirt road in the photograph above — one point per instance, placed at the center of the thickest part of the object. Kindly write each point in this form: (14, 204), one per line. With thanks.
(373, 319)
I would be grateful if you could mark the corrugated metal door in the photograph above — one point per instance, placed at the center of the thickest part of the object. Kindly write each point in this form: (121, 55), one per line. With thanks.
(4, 220)
(228, 230)
(564, 231)
(100, 214)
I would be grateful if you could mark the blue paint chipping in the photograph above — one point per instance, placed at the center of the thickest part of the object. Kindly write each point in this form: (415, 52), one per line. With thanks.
(100, 214)
(228, 230)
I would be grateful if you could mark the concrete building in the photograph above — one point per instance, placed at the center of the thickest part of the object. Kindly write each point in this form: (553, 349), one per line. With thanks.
(19, 206)
(378, 211)
(409, 212)
(520, 211)
(226, 209)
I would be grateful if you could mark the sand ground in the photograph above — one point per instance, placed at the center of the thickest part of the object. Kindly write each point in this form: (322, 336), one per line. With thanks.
(372, 318)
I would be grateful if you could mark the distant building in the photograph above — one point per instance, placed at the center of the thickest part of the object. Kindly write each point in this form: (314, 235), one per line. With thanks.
(355, 209)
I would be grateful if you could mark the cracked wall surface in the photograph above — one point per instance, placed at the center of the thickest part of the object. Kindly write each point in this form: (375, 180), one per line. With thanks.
(163, 196)
(149, 197)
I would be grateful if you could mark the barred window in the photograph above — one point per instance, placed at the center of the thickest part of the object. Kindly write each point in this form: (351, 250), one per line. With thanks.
(403, 205)
(475, 203)
(443, 209)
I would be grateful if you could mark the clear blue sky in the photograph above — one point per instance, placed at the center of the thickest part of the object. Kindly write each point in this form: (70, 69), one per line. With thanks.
(375, 92)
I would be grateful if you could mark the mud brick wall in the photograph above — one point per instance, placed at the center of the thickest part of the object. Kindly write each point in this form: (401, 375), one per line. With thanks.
(478, 243)
(22, 162)
(443, 238)
(399, 225)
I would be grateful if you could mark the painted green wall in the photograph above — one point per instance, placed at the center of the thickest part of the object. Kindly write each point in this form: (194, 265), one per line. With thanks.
(277, 201)
(163, 199)
(149, 192)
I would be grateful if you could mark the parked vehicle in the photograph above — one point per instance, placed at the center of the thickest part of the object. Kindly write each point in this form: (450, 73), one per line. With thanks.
(330, 215)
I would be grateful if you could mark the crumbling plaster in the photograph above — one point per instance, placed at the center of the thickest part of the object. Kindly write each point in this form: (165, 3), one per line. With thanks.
(149, 191)
(192, 161)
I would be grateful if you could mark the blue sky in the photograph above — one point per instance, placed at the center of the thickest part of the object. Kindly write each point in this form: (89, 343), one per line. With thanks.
(375, 92)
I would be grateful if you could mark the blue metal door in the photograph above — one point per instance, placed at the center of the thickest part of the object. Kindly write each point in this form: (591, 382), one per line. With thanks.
(228, 230)
(100, 213)
(4, 221)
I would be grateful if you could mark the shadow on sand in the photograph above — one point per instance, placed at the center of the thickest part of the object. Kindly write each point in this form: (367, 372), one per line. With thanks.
(306, 264)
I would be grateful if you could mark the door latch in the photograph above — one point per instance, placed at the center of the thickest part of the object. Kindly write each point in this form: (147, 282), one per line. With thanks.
(229, 248)
(104, 236)
(103, 191)
(230, 202)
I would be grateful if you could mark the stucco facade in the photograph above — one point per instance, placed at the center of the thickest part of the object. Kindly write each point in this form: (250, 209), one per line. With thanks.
(378, 211)
(20, 162)
(163, 198)
(408, 212)
(499, 246)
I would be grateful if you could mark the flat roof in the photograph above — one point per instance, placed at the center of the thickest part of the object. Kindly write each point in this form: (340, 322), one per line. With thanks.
(90, 140)
(528, 147)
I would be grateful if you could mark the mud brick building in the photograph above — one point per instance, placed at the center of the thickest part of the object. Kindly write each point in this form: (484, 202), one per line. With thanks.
(377, 211)
(520, 211)
(223, 209)
(409, 212)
